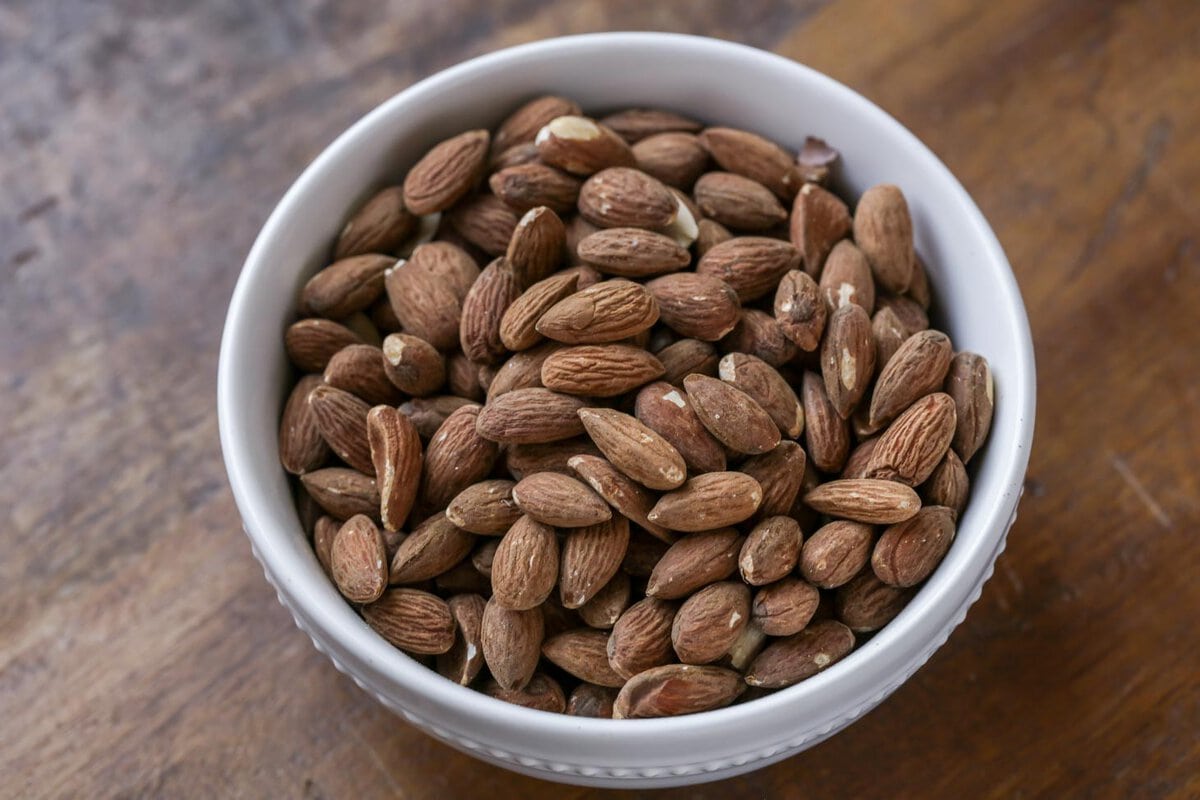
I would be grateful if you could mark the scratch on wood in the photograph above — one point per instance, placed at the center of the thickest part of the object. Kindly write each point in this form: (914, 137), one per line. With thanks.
(1149, 502)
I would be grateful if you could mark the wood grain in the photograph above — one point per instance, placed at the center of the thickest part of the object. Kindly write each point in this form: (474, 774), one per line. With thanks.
(143, 144)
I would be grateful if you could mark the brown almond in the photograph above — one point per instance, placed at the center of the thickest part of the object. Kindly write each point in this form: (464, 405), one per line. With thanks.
(918, 368)
(799, 311)
(522, 125)
(397, 458)
(560, 500)
(607, 605)
(632, 252)
(909, 551)
(486, 508)
(457, 456)
(517, 330)
(711, 500)
(771, 550)
(918, 287)
(847, 358)
(819, 220)
(411, 364)
(536, 247)
(754, 157)
(359, 370)
(301, 446)
(641, 638)
(667, 411)
(731, 415)
(435, 546)
(866, 603)
(482, 310)
(767, 388)
(413, 620)
(514, 156)
(696, 305)
(358, 560)
(541, 693)
(737, 202)
(745, 648)
(463, 578)
(527, 416)
(484, 556)
(447, 262)
(524, 567)
(427, 305)
(791, 660)
(710, 621)
(523, 460)
(512, 643)
(685, 357)
(345, 286)
(752, 265)
(446, 173)
(579, 229)
(589, 700)
(596, 370)
(380, 225)
(846, 278)
(522, 370)
(462, 662)
(643, 554)
(620, 492)
(709, 234)
(533, 184)
(889, 334)
(324, 531)
(622, 197)
(865, 500)
(675, 689)
(836, 553)
(969, 384)
(342, 492)
(581, 146)
(634, 448)
(948, 485)
(635, 124)
(780, 474)
(759, 334)
(676, 158)
(826, 434)
(606, 312)
(428, 413)
(342, 419)
(310, 343)
(883, 230)
(485, 221)
(590, 558)
(695, 561)
(785, 607)
(913, 445)
(907, 311)
(583, 653)
(815, 160)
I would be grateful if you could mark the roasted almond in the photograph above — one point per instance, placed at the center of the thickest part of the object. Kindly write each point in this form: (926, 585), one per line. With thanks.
(846, 278)
(310, 343)
(342, 492)
(708, 501)
(709, 234)
(866, 603)
(523, 125)
(512, 643)
(865, 500)
(635, 124)
(606, 312)
(522, 370)
(589, 700)
(619, 491)
(799, 311)
(428, 413)
(675, 689)
(760, 335)
(909, 551)
(583, 653)
(462, 662)
(667, 411)
(301, 446)
(948, 485)
(696, 305)
(446, 173)
(536, 247)
(632, 252)
(780, 474)
(599, 370)
(767, 388)
(482, 310)
(634, 448)
(695, 561)
(485, 508)
(771, 550)
(380, 225)
(607, 605)
(738, 202)
(969, 384)
(784, 607)
(526, 416)
(907, 311)
(676, 158)
(685, 357)
(581, 146)
(836, 553)
(524, 567)
(847, 358)
(485, 221)
(435, 546)
(411, 364)
(397, 458)
(541, 693)
(754, 157)
(523, 460)
(918, 368)
(359, 370)
(622, 197)
(641, 638)
(560, 500)
(590, 558)
(913, 445)
(731, 415)
(791, 660)
(325, 528)
(815, 160)
(517, 330)
(819, 220)
(883, 230)
(752, 265)
(345, 286)
(426, 304)
(710, 621)
(358, 560)
(342, 419)
(825, 432)
(918, 287)
(457, 456)
(889, 333)
(530, 185)
(413, 620)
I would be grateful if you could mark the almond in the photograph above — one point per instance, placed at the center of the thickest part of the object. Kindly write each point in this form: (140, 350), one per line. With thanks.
(889, 333)
(345, 286)
(579, 229)
(581, 146)
(866, 603)
(948, 485)
(785, 607)
(607, 605)
(358, 560)
(397, 458)
(512, 643)
(484, 556)
(485, 508)
(435, 546)
(685, 357)
(819, 220)
(380, 225)
(695, 561)
(342, 419)
(523, 125)
(907, 311)
(583, 653)
(522, 370)
(627, 497)
(588, 700)
(524, 568)
(528, 186)
(606, 312)
(462, 662)
(464, 578)
(310, 343)
(342, 492)
(541, 693)
(485, 221)
(632, 252)
(731, 415)
(428, 413)
(836, 553)
(696, 305)
(667, 411)
(909, 551)
(457, 456)
(754, 157)
(526, 416)
(780, 474)
(738, 202)
(536, 247)
(825, 432)
(763, 384)
(359, 370)
(918, 287)
(846, 278)
(590, 558)
(752, 265)
(709, 234)
(427, 305)
(801, 656)
(815, 160)
(446, 173)
(526, 459)
(799, 311)
(325, 529)
(710, 621)
(918, 368)
(746, 648)
(708, 501)
(913, 445)
(969, 383)
(413, 620)
(622, 197)
(760, 335)
(446, 262)
(847, 358)
(411, 364)
(517, 330)
(883, 230)
(599, 370)
(482, 310)
(556, 499)
(675, 158)
(643, 554)
(301, 446)
(634, 448)
(676, 689)
(771, 550)
(865, 500)
(636, 124)
(641, 638)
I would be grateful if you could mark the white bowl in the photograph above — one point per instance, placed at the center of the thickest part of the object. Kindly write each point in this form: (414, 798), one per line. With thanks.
(725, 83)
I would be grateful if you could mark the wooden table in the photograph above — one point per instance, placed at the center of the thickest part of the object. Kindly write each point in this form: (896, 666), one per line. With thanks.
(143, 144)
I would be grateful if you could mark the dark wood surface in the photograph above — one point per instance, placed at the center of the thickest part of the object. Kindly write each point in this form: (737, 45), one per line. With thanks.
(142, 144)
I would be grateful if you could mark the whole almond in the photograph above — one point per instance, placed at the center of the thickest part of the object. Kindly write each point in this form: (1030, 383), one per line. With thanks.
(541, 693)
(641, 638)
(411, 364)
(583, 653)
(512, 643)
(685, 357)
(397, 458)
(708, 501)
(485, 221)
(948, 485)
(836, 553)
(754, 157)
(482, 310)
(918, 368)
(579, 229)
(606, 312)
(359, 370)
(913, 445)
(607, 605)
(301, 446)
(825, 432)
(310, 343)
(759, 334)
(484, 556)
(676, 158)
(560, 500)
(780, 474)
(522, 370)
(866, 603)
(523, 460)
(847, 358)
(380, 225)
(427, 305)
(446, 173)
(709, 234)
(909, 551)
(791, 660)
(784, 607)
(815, 160)
(667, 411)
(918, 287)
(675, 689)
(342, 419)
(752, 265)
(632, 252)
(889, 333)
(710, 621)
(846, 278)
(530, 185)
(635, 124)
(345, 286)
(428, 413)
(462, 662)
(589, 700)
(590, 558)
(358, 560)
(731, 415)
(485, 508)
(799, 311)
(767, 388)
(969, 383)
(581, 146)
(447, 262)
(514, 156)
(771, 550)
(435, 546)
(694, 561)
(526, 416)
(622, 197)
(696, 305)
(865, 500)
(342, 492)
(907, 311)
(457, 456)
(599, 370)
(517, 330)
(819, 220)
(413, 620)
(883, 230)
(524, 568)
(623, 494)
(737, 202)
(523, 124)
(325, 529)
(536, 247)
(634, 449)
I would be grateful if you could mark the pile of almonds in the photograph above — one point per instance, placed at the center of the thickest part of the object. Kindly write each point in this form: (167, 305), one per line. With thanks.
(686, 438)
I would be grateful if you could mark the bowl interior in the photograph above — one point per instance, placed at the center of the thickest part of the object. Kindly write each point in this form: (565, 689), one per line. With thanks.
(716, 82)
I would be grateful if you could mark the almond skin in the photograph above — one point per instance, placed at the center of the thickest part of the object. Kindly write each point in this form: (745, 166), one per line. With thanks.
(676, 689)
(883, 230)
(676, 158)
(710, 621)
(512, 643)
(846, 278)
(636, 124)
(301, 447)
(342, 419)
(801, 656)
(536, 247)
(581, 146)
(541, 693)
(485, 508)
(342, 492)
(359, 369)
(913, 445)
(685, 357)
(918, 368)
(731, 415)
(695, 561)
(599, 370)
(667, 411)
(752, 265)
(589, 700)
(559, 500)
(606, 312)
(358, 560)
(411, 364)
(528, 416)
(397, 458)
(590, 558)
(708, 501)
(847, 358)
(583, 653)
(483, 308)
(310, 343)
(517, 330)
(836, 553)
(435, 546)
(780, 473)
(785, 607)
(426, 304)
(607, 605)
(643, 554)
(865, 500)
(969, 384)
(632, 252)
(522, 370)
(428, 413)
(826, 434)
(799, 311)
(457, 456)
(325, 528)
(380, 225)
(446, 173)
(524, 567)
(695, 305)
(709, 234)
(523, 125)
(345, 286)
(770, 551)
(948, 484)
(889, 334)
(527, 186)
(908, 552)
(412, 620)
(641, 638)
(737, 202)
(523, 460)
(621, 197)
(767, 388)
(462, 662)
(907, 310)
(619, 491)
(866, 603)
(634, 449)
(485, 221)
(819, 220)
(754, 157)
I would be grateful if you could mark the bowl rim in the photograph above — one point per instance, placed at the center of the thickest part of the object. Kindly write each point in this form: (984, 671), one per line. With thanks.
(368, 648)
